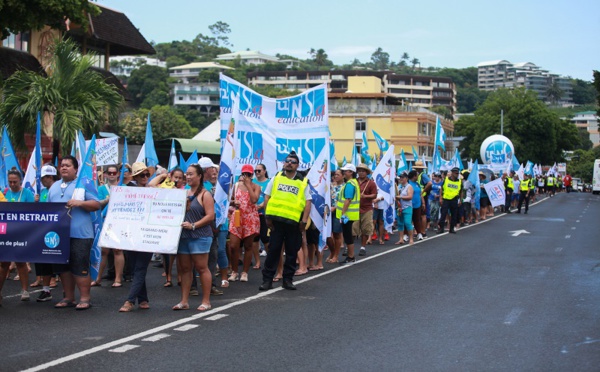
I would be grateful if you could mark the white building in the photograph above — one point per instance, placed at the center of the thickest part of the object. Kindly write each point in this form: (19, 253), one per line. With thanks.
(492, 75)
(250, 57)
(124, 65)
(193, 91)
(589, 121)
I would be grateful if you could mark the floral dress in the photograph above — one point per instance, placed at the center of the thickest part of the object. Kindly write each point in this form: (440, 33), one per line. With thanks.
(250, 222)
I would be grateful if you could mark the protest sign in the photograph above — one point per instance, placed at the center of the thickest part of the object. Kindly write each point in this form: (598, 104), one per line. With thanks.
(144, 219)
(34, 232)
(495, 191)
(107, 151)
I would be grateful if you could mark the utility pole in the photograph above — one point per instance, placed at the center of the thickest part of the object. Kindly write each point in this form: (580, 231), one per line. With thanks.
(501, 122)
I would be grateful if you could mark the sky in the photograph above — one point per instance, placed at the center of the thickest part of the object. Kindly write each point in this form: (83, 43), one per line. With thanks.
(558, 35)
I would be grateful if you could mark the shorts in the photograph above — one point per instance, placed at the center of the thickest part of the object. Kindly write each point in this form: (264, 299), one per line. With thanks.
(195, 246)
(43, 269)
(515, 197)
(312, 236)
(378, 215)
(365, 225)
(79, 258)
(347, 232)
(484, 202)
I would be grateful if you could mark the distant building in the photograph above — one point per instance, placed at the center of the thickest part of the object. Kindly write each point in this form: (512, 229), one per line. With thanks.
(124, 65)
(364, 108)
(191, 92)
(413, 90)
(250, 57)
(589, 121)
(492, 75)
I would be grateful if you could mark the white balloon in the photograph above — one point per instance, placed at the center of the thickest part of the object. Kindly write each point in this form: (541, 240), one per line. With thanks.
(496, 150)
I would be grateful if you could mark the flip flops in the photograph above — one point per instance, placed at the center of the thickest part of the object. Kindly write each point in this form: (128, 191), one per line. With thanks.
(83, 305)
(181, 306)
(64, 303)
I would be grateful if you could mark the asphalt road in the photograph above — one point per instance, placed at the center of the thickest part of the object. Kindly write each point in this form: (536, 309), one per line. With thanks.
(488, 298)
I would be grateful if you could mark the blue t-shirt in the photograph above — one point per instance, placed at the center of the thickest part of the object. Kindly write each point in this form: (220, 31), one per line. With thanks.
(436, 187)
(81, 220)
(103, 192)
(483, 192)
(23, 196)
(349, 191)
(261, 198)
(416, 200)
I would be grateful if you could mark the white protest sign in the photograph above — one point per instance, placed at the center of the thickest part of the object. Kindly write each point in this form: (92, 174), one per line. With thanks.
(144, 219)
(107, 151)
(495, 191)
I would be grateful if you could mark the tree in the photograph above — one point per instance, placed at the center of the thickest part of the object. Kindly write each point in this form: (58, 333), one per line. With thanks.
(320, 58)
(220, 30)
(537, 133)
(166, 123)
(583, 92)
(554, 93)
(72, 97)
(146, 80)
(22, 16)
(380, 59)
(443, 111)
(597, 86)
(414, 62)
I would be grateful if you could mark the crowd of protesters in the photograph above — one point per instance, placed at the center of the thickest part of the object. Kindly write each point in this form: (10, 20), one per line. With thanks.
(268, 217)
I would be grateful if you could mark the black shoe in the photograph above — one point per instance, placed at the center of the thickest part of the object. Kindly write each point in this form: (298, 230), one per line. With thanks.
(44, 296)
(288, 284)
(214, 291)
(452, 231)
(362, 252)
(349, 260)
(266, 285)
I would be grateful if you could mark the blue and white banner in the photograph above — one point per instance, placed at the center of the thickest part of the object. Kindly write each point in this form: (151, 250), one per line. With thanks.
(34, 232)
(384, 179)
(319, 183)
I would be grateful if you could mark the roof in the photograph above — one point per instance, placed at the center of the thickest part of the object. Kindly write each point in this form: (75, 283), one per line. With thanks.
(12, 60)
(115, 29)
(247, 54)
(493, 63)
(582, 113)
(201, 65)
(211, 133)
(524, 64)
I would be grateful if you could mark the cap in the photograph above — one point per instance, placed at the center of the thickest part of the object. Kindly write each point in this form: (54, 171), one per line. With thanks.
(247, 168)
(363, 166)
(137, 168)
(349, 167)
(293, 154)
(206, 162)
(48, 170)
(455, 169)
(403, 174)
(437, 174)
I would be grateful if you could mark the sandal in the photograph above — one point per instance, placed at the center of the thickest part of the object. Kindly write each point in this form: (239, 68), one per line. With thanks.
(117, 285)
(224, 283)
(204, 307)
(127, 307)
(64, 303)
(83, 305)
(277, 278)
(256, 267)
(168, 284)
(234, 277)
(181, 306)
(35, 284)
(298, 272)
(95, 284)
(144, 305)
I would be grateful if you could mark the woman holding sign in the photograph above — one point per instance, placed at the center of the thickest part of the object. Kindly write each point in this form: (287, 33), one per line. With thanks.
(196, 239)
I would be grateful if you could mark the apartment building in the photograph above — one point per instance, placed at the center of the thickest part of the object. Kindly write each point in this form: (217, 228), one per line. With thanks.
(411, 90)
(196, 91)
(492, 75)
(125, 65)
(364, 108)
(589, 121)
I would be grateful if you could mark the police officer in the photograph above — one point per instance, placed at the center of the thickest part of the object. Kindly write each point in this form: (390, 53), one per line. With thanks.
(288, 202)
(526, 188)
(450, 200)
(509, 187)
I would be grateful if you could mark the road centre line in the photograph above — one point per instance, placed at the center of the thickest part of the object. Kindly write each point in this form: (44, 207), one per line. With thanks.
(217, 317)
(124, 348)
(186, 327)
(156, 337)
(219, 309)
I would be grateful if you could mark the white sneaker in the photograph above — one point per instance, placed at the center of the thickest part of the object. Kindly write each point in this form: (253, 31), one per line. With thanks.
(405, 238)
(24, 295)
(263, 253)
(420, 236)
(244, 277)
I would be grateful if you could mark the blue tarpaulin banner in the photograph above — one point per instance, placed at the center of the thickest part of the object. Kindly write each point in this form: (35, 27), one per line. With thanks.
(34, 232)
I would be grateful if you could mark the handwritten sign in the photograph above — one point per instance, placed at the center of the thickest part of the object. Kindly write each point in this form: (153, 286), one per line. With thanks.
(144, 219)
(107, 150)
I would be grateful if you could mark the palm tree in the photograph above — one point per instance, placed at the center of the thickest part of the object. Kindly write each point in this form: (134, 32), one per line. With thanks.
(320, 57)
(72, 97)
(554, 93)
(415, 62)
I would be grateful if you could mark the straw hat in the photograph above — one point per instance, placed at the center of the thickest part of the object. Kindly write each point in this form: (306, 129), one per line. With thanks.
(363, 166)
(137, 168)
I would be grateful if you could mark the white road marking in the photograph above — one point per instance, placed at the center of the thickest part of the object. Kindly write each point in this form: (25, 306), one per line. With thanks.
(230, 305)
(30, 292)
(512, 317)
(156, 337)
(124, 348)
(577, 221)
(558, 249)
(567, 236)
(186, 327)
(573, 228)
(217, 317)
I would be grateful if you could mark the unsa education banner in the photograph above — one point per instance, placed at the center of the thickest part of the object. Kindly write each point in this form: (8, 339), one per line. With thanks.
(144, 219)
(34, 232)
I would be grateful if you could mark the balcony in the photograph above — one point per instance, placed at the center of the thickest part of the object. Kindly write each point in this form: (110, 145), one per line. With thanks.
(208, 92)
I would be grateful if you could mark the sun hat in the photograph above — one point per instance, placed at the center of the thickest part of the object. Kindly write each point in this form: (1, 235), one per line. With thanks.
(364, 166)
(137, 168)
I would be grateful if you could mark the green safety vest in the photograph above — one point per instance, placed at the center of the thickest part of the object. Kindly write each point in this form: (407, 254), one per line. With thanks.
(511, 185)
(525, 185)
(287, 199)
(353, 211)
(450, 189)
(550, 181)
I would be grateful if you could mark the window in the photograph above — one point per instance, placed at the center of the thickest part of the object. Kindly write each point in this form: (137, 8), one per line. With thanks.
(360, 125)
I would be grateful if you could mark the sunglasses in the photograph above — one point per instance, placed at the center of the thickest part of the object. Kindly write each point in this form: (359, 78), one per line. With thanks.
(291, 161)
(247, 174)
(144, 175)
(258, 171)
(111, 173)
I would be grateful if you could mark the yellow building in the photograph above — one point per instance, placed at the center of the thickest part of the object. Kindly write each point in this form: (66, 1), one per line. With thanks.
(363, 108)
